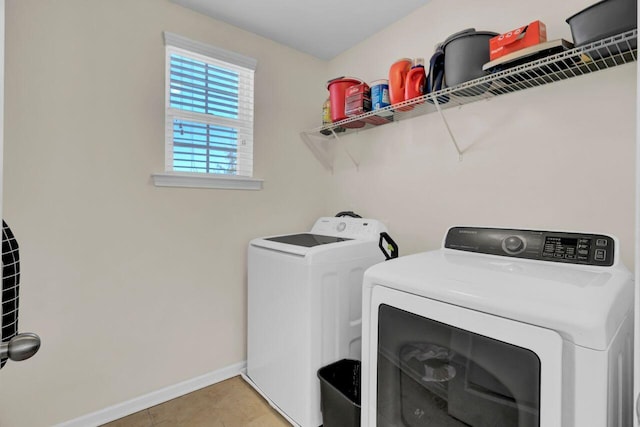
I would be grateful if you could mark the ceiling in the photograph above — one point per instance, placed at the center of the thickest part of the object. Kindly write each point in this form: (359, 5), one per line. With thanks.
(322, 28)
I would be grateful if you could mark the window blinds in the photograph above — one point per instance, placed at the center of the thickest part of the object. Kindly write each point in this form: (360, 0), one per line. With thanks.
(209, 124)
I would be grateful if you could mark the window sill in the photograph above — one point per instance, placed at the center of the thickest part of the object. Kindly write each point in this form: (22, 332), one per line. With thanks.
(196, 180)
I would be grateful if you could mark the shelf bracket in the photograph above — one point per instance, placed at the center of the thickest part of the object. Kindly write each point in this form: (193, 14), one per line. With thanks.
(346, 150)
(320, 149)
(446, 124)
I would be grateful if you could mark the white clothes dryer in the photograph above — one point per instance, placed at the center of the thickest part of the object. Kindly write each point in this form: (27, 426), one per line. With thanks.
(500, 327)
(304, 309)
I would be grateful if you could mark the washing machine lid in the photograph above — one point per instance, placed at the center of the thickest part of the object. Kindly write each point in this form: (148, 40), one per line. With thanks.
(585, 304)
(300, 244)
(327, 234)
(308, 240)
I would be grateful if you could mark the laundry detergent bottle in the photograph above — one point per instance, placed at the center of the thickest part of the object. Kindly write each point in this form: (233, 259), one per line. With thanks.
(397, 80)
(415, 81)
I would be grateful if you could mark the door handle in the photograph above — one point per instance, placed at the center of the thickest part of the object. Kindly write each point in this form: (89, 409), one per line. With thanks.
(391, 249)
(20, 347)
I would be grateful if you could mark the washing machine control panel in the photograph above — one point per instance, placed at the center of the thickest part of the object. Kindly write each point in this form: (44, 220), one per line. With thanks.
(352, 228)
(553, 246)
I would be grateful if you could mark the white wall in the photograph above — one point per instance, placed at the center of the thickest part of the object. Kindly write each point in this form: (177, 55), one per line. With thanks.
(555, 157)
(131, 287)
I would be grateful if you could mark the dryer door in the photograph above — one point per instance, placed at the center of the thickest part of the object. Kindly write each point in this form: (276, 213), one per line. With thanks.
(436, 364)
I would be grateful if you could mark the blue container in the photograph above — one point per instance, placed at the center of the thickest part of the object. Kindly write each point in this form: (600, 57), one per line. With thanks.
(379, 94)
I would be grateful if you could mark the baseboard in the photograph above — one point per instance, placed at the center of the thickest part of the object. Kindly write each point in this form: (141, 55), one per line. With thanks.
(154, 398)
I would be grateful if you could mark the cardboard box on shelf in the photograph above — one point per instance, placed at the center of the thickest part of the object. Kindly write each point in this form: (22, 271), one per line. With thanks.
(520, 38)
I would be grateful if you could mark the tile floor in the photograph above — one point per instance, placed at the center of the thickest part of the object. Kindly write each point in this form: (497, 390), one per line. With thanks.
(230, 403)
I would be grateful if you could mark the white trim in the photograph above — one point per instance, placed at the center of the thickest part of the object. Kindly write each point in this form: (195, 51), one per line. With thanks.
(176, 40)
(154, 398)
(2, 50)
(199, 180)
(636, 351)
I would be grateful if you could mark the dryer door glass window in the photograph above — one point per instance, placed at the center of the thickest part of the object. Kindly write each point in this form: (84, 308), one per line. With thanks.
(434, 374)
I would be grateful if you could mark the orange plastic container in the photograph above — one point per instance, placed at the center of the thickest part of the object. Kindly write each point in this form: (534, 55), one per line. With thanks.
(337, 88)
(397, 80)
(416, 78)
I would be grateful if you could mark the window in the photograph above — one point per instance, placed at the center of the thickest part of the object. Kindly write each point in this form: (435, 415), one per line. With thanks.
(209, 116)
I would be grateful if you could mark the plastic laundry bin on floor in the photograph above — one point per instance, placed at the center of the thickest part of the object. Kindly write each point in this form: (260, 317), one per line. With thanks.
(340, 394)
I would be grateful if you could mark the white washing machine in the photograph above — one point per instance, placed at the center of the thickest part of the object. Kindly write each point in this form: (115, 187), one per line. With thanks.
(304, 309)
(500, 327)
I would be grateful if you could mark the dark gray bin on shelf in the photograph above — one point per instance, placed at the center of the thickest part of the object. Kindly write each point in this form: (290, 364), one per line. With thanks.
(603, 19)
(340, 393)
(464, 55)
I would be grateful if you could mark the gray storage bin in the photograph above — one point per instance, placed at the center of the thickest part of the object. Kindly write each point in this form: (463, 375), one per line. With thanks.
(464, 55)
(603, 19)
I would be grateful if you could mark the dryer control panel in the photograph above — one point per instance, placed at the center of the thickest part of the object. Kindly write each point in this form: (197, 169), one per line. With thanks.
(554, 246)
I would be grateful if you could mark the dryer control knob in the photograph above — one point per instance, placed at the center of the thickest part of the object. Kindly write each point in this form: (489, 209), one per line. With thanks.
(513, 245)
(341, 226)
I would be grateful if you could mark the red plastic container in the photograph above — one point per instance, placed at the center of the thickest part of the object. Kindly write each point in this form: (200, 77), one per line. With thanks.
(337, 89)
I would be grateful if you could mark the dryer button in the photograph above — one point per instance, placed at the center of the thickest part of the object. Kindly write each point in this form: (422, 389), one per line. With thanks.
(513, 245)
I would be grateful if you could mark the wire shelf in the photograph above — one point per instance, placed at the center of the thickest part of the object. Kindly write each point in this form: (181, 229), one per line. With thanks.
(599, 55)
